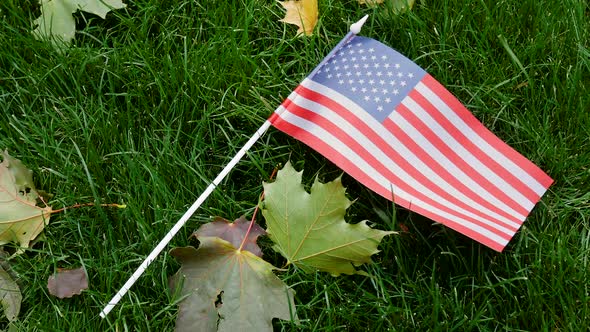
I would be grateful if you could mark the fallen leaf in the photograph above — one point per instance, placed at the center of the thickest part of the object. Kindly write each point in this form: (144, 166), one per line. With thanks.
(21, 220)
(56, 22)
(401, 6)
(309, 229)
(67, 283)
(234, 233)
(228, 290)
(10, 295)
(397, 6)
(302, 13)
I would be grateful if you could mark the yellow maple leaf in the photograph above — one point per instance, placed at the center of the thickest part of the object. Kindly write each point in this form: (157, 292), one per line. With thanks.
(302, 13)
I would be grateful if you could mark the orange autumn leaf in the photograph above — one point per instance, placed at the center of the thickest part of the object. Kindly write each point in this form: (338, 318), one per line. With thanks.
(302, 13)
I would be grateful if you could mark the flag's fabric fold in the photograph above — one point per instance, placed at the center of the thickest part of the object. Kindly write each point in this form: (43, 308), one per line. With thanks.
(393, 127)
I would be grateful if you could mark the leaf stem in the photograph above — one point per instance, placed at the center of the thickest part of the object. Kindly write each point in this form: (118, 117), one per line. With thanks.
(253, 220)
(76, 206)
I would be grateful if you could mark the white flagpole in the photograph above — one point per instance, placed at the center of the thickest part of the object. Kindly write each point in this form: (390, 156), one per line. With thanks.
(354, 29)
(168, 237)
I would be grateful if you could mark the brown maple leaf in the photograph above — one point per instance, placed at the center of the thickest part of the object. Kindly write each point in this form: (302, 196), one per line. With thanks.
(234, 232)
(225, 289)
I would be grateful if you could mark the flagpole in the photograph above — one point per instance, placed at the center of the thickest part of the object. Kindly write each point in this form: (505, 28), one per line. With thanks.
(354, 29)
(168, 237)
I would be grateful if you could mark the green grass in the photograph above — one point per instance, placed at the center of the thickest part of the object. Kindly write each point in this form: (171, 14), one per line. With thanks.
(152, 102)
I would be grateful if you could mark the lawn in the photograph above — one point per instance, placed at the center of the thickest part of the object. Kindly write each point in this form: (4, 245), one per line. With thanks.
(148, 106)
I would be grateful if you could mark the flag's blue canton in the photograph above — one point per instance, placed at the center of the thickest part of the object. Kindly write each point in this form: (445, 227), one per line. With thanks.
(373, 75)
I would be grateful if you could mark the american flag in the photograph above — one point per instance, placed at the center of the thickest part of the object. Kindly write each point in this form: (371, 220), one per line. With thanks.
(393, 127)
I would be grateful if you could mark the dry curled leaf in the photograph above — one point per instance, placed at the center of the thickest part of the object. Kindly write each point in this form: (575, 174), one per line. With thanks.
(21, 220)
(67, 283)
(302, 13)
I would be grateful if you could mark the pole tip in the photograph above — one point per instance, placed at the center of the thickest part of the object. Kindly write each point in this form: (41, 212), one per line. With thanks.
(356, 27)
